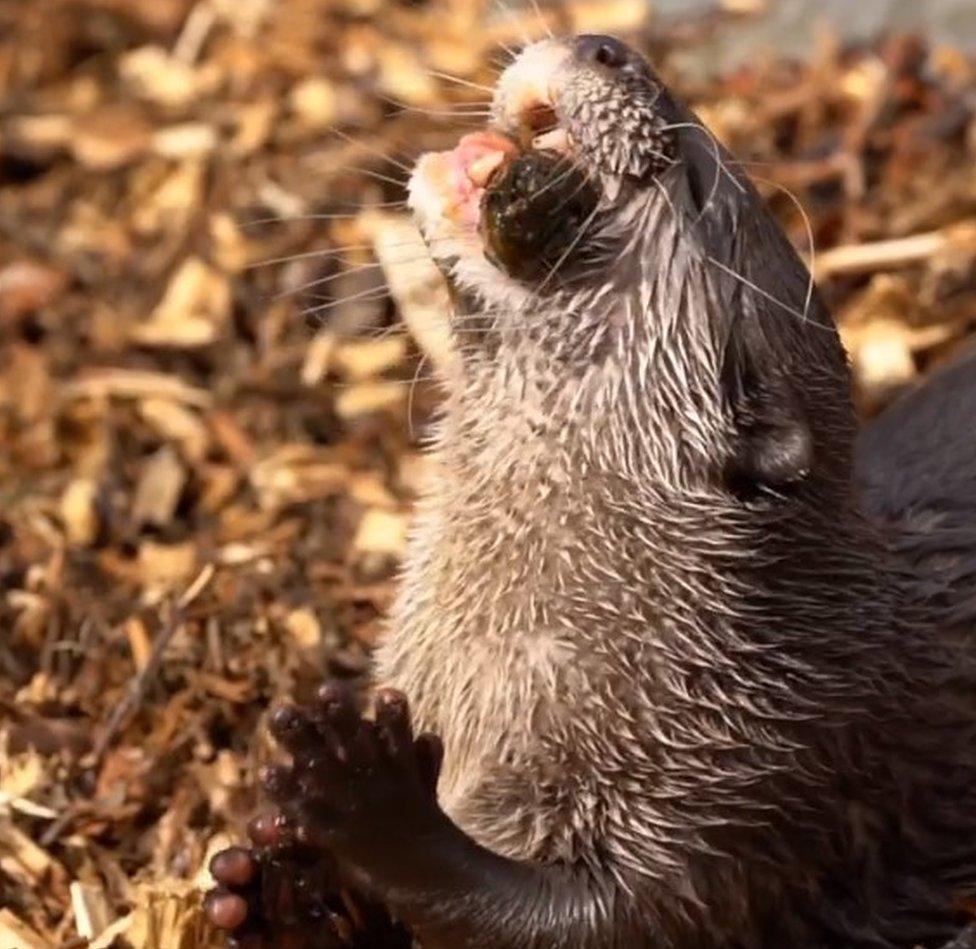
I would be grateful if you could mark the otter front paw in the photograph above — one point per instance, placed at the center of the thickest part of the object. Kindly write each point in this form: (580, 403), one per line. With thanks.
(356, 786)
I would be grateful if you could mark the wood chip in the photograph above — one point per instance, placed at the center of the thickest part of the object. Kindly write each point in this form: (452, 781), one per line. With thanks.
(27, 286)
(178, 424)
(159, 489)
(166, 565)
(110, 138)
(190, 140)
(140, 643)
(315, 102)
(16, 934)
(193, 310)
(79, 512)
(369, 397)
(156, 75)
(134, 384)
(93, 914)
(381, 532)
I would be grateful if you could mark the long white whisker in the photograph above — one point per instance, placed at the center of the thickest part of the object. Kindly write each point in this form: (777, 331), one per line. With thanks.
(379, 176)
(667, 198)
(461, 82)
(412, 392)
(345, 249)
(370, 294)
(476, 110)
(573, 245)
(325, 281)
(811, 241)
(509, 14)
(369, 148)
(707, 132)
(558, 180)
(745, 281)
(542, 20)
(329, 216)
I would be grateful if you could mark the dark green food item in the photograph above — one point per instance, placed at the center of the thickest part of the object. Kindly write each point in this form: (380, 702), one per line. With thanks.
(532, 214)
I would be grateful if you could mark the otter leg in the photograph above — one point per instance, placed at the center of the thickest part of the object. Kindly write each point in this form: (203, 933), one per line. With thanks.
(357, 788)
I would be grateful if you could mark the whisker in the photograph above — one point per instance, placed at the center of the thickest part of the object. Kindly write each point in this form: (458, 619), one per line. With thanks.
(745, 281)
(475, 110)
(717, 157)
(708, 133)
(411, 393)
(329, 216)
(571, 195)
(346, 249)
(542, 20)
(379, 176)
(811, 241)
(557, 181)
(461, 82)
(509, 14)
(573, 245)
(499, 64)
(368, 295)
(369, 148)
(324, 281)
(323, 253)
(667, 198)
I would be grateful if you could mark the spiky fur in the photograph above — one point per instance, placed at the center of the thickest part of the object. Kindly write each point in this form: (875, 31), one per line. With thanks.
(733, 711)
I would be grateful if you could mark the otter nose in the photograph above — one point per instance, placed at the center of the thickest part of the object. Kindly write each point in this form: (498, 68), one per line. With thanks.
(604, 50)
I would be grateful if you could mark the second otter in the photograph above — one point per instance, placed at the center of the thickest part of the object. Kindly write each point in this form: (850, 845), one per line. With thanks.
(688, 693)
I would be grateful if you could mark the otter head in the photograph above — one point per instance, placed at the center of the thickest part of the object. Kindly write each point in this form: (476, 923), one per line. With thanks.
(597, 226)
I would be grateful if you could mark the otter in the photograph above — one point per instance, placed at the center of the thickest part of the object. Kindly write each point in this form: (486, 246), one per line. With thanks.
(687, 686)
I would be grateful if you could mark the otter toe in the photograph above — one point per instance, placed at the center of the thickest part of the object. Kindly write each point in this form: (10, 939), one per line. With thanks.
(226, 910)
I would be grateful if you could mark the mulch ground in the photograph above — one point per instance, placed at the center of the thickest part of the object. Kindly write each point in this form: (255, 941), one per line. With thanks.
(217, 338)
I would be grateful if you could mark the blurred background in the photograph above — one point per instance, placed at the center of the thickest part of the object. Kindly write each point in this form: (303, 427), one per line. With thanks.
(219, 340)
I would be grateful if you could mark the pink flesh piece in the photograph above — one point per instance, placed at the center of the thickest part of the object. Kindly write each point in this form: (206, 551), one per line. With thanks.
(454, 168)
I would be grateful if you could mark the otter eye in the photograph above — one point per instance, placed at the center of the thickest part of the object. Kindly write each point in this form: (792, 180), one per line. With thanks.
(603, 50)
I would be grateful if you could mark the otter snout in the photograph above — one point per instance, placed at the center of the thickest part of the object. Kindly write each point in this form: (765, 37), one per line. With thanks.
(572, 122)
(599, 100)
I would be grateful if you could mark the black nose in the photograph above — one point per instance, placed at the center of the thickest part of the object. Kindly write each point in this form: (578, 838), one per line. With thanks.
(605, 50)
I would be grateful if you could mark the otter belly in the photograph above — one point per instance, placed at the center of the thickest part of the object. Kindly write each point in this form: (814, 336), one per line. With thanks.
(498, 707)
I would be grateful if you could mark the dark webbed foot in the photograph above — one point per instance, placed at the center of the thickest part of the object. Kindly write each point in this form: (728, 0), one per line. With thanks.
(279, 894)
(288, 891)
(355, 786)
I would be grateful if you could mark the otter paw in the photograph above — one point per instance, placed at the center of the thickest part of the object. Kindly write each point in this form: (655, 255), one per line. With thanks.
(356, 786)
(278, 894)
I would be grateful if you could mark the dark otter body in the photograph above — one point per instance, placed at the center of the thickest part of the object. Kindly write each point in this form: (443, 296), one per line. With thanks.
(691, 695)
(917, 467)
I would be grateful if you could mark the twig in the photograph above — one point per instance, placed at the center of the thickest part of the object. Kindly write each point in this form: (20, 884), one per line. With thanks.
(140, 685)
(900, 252)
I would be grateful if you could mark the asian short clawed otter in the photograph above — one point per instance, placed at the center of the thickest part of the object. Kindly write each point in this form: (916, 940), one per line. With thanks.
(690, 694)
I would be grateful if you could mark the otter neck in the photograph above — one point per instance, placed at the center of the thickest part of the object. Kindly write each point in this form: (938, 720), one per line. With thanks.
(576, 465)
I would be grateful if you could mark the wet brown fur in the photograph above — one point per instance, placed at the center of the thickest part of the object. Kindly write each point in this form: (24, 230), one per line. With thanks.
(645, 606)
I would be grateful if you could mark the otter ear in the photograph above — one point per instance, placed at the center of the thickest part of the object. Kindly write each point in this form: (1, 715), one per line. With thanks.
(772, 448)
